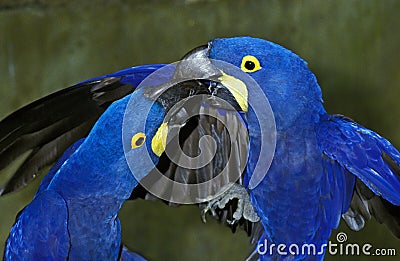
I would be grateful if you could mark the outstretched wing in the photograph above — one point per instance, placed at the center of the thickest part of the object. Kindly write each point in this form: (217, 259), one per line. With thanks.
(47, 127)
(376, 164)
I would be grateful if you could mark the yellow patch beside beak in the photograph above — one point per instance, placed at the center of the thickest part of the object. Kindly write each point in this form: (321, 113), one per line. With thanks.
(237, 88)
(159, 141)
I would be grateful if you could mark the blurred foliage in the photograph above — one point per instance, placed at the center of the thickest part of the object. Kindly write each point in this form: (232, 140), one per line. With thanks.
(352, 47)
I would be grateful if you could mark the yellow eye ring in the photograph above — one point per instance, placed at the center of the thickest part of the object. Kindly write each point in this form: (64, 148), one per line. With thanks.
(250, 64)
(138, 140)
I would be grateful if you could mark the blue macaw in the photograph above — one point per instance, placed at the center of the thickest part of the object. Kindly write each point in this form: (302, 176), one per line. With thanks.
(325, 166)
(74, 212)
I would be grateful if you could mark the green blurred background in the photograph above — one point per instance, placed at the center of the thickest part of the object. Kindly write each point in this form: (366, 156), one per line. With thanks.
(352, 46)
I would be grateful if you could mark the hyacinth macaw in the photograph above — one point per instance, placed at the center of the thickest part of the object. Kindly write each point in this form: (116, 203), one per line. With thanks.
(74, 212)
(325, 166)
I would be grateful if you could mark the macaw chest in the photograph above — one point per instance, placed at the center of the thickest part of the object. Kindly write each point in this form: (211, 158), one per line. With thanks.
(94, 233)
(288, 198)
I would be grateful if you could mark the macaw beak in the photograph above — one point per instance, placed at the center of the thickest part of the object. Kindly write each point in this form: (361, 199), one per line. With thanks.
(197, 72)
(197, 64)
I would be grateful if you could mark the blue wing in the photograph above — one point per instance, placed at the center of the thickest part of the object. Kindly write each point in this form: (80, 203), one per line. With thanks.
(132, 76)
(40, 231)
(74, 110)
(374, 161)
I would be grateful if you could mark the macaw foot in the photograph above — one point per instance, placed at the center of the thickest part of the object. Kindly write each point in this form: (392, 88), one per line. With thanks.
(244, 207)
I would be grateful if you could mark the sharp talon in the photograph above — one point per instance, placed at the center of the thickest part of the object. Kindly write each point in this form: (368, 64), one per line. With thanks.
(213, 213)
(231, 222)
(203, 215)
(244, 208)
(210, 207)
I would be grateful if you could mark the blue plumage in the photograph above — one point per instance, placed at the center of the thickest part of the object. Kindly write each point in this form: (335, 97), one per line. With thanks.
(41, 230)
(132, 76)
(319, 160)
(360, 150)
(74, 213)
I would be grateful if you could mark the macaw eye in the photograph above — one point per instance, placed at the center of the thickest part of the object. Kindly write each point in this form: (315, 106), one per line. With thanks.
(138, 140)
(250, 64)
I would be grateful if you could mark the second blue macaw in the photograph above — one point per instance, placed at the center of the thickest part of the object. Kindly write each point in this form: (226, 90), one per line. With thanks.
(325, 166)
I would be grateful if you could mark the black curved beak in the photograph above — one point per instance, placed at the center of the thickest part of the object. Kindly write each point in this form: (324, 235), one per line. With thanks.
(196, 64)
(196, 74)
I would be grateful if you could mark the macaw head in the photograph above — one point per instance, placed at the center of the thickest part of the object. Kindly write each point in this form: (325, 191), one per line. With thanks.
(291, 88)
(144, 133)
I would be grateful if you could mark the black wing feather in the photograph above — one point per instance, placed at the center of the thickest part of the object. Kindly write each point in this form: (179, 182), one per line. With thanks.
(366, 204)
(50, 125)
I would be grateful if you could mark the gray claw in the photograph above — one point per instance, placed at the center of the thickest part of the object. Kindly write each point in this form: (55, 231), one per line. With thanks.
(244, 209)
